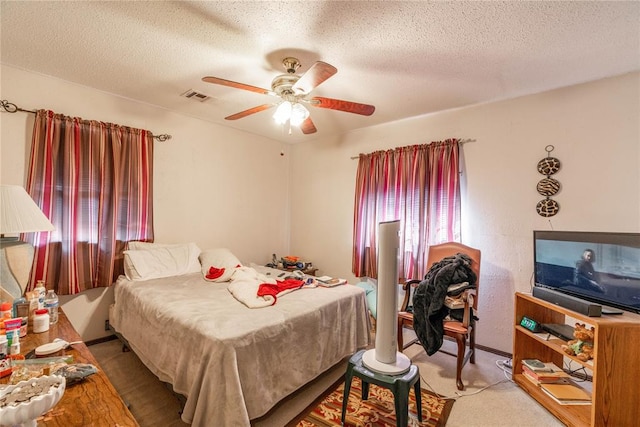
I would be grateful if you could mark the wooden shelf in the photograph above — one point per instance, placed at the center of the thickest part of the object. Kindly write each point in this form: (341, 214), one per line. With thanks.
(614, 367)
(573, 415)
(555, 344)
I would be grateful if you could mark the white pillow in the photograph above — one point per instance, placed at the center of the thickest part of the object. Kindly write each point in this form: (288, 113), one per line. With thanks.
(135, 245)
(155, 260)
(194, 261)
(218, 259)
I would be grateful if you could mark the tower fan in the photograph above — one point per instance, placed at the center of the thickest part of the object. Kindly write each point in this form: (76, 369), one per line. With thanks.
(385, 358)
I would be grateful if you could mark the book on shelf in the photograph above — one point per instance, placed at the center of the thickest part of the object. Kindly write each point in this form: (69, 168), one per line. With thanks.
(538, 383)
(544, 380)
(536, 366)
(567, 393)
(551, 375)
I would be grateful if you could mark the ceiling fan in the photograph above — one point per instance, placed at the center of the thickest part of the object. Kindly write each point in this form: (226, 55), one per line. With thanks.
(293, 90)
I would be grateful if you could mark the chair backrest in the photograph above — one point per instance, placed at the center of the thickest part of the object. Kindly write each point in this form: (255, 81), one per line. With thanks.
(443, 250)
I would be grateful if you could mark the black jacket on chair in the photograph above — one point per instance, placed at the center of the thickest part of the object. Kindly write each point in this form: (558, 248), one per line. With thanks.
(429, 310)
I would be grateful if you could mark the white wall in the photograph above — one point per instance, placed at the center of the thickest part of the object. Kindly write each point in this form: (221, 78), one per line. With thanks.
(595, 128)
(220, 187)
(212, 185)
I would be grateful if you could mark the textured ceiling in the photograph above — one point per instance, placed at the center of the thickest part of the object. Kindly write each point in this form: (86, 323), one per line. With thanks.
(406, 58)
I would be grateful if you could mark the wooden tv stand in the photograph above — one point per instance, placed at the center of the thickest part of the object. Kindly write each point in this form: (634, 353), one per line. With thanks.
(615, 366)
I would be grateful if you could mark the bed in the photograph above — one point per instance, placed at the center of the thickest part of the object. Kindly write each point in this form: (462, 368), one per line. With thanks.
(231, 362)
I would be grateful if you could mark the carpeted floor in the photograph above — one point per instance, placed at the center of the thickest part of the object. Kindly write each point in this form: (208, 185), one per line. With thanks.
(490, 399)
(377, 411)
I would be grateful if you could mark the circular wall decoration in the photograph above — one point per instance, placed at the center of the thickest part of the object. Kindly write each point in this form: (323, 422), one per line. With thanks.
(548, 166)
(547, 207)
(548, 186)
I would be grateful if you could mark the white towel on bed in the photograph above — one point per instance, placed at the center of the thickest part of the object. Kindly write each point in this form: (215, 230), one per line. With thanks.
(244, 287)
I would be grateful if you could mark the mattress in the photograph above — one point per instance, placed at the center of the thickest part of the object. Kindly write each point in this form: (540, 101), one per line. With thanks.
(231, 362)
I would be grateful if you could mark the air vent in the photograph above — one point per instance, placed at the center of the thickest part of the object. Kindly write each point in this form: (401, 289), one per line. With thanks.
(195, 95)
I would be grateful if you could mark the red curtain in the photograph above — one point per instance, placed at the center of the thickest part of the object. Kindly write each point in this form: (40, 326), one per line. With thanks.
(418, 185)
(93, 181)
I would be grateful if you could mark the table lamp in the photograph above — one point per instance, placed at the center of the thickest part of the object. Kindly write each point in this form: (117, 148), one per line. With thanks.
(18, 214)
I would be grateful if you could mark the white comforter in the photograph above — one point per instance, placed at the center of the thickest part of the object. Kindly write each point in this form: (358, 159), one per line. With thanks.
(235, 363)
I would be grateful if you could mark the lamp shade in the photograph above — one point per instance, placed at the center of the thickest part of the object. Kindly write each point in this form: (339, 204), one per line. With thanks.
(19, 213)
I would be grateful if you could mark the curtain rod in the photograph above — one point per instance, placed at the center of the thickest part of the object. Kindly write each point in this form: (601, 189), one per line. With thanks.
(460, 141)
(10, 107)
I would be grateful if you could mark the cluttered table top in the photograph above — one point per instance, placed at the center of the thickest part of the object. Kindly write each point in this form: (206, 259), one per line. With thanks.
(92, 401)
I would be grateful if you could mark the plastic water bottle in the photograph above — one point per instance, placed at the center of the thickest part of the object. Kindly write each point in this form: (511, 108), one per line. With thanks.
(51, 304)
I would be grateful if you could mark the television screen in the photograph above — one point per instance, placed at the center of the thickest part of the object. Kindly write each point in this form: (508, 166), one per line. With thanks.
(596, 266)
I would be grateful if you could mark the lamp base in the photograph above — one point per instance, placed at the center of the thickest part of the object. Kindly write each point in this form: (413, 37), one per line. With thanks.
(16, 259)
(401, 365)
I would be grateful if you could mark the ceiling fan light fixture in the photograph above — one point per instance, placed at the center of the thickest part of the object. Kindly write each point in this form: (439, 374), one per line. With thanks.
(298, 114)
(292, 89)
(283, 112)
(295, 113)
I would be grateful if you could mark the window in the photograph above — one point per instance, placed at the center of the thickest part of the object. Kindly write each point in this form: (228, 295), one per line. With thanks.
(418, 185)
(93, 180)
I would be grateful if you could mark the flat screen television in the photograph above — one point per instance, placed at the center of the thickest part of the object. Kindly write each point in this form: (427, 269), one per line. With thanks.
(599, 267)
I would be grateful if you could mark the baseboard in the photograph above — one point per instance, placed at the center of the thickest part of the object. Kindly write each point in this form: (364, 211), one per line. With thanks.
(494, 351)
(100, 340)
(478, 347)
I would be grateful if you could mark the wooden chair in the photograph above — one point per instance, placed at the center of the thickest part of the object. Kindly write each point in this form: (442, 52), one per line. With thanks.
(461, 332)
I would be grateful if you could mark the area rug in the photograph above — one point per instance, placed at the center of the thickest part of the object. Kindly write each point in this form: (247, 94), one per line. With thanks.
(376, 411)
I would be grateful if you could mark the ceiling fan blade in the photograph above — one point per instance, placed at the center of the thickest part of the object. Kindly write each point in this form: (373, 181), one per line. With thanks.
(308, 127)
(318, 73)
(223, 82)
(337, 104)
(250, 111)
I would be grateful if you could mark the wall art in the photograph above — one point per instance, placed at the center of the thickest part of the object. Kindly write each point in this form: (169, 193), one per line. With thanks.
(548, 186)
